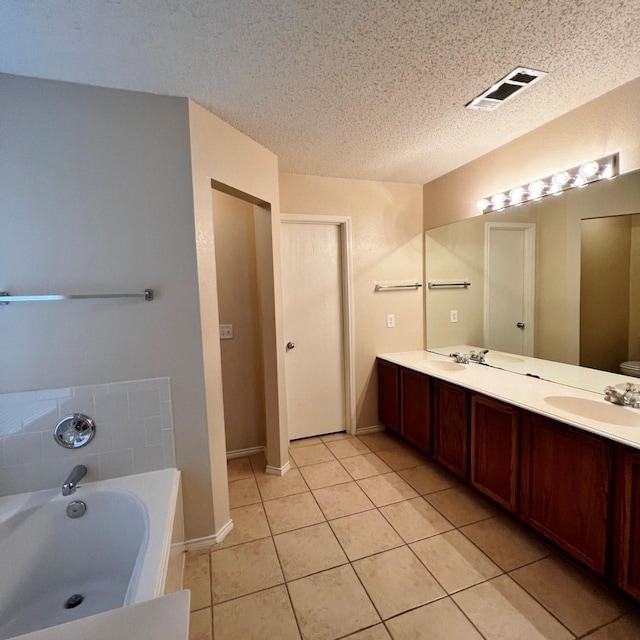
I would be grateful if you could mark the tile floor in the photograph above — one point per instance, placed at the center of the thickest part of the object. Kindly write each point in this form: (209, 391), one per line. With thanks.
(366, 539)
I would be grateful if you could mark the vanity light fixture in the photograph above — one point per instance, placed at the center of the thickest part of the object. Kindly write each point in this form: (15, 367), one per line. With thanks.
(554, 185)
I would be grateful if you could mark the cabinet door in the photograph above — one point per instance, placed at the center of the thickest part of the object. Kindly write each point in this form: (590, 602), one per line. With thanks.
(415, 409)
(388, 394)
(629, 510)
(565, 487)
(451, 427)
(494, 450)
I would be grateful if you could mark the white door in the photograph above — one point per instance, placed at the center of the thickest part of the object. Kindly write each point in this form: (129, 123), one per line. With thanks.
(312, 272)
(509, 287)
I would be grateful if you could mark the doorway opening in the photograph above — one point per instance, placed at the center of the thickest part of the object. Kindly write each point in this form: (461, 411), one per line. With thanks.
(509, 287)
(318, 323)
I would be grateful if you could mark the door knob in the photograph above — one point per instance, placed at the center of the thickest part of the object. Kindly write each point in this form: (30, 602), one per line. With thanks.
(520, 325)
(290, 345)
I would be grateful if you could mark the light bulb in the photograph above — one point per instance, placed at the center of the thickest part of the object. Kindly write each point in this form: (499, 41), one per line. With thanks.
(536, 188)
(579, 181)
(589, 169)
(607, 173)
(555, 189)
(516, 194)
(498, 200)
(482, 204)
(561, 178)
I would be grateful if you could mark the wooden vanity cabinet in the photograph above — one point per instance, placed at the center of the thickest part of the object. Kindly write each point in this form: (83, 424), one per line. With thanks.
(389, 394)
(495, 450)
(626, 542)
(565, 479)
(415, 409)
(450, 427)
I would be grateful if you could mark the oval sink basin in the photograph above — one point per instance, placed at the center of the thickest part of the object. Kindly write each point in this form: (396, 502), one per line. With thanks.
(443, 365)
(499, 358)
(596, 410)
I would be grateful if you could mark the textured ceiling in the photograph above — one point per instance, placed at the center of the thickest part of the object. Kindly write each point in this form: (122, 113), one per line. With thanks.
(352, 88)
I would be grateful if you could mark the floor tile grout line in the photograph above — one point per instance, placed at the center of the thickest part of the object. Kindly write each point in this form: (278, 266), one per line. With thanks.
(538, 600)
(602, 626)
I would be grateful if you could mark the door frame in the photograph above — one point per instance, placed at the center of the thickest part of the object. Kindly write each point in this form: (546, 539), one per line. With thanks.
(344, 225)
(529, 229)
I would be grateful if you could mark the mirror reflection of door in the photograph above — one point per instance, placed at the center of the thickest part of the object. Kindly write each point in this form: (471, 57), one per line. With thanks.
(509, 287)
(609, 292)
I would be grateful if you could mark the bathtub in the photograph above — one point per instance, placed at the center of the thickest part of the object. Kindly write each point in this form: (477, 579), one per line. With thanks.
(116, 554)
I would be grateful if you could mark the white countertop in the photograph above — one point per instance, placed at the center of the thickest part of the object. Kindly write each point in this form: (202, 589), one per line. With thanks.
(621, 424)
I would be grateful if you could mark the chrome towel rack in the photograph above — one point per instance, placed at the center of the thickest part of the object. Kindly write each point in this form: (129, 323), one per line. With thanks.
(450, 285)
(6, 298)
(397, 287)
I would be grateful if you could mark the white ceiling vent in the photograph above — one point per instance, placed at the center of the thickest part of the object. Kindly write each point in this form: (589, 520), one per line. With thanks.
(512, 84)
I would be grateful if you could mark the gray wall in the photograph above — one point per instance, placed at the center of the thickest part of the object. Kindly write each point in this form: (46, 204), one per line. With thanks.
(96, 195)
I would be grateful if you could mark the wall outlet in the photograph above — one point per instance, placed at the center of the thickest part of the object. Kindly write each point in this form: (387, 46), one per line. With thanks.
(454, 315)
(226, 331)
(391, 320)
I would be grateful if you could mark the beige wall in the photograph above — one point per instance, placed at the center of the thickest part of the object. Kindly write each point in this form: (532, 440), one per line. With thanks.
(387, 247)
(604, 292)
(242, 374)
(220, 152)
(602, 126)
(97, 196)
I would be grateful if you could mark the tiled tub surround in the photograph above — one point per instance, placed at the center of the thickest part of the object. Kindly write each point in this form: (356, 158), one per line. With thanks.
(369, 540)
(134, 433)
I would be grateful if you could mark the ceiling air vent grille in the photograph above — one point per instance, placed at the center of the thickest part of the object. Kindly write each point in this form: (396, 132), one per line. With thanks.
(512, 84)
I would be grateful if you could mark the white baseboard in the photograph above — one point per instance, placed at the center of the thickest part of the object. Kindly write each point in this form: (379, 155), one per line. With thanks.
(278, 471)
(373, 429)
(243, 453)
(209, 541)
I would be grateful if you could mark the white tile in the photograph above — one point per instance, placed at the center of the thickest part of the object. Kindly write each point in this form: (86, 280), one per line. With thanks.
(130, 434)
(10, 419)
(18, 397)
(116, 463)
(12, 479)
(23, 448)
(53, 394)
(39, 415)
(112, 408)
(166, 414)
(144, 404)
(169, 448)
(148, 459)
(81, 404)
(90, 390)
(164, 387)
(153, 430)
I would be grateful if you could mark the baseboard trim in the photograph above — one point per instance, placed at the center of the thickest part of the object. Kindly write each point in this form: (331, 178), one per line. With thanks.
(360, 431)
(278, 471)
(243, 453)
(209, 541)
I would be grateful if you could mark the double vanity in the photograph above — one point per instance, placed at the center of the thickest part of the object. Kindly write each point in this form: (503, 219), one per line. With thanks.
(559, 458)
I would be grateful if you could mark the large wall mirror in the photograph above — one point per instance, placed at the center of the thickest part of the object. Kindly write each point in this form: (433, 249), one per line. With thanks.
(557, 279)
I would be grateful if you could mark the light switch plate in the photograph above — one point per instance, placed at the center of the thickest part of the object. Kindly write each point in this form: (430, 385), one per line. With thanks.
(226, 331)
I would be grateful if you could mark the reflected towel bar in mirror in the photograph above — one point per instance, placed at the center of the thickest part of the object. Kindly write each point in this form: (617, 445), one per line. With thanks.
(449, 285)
(397, 287)
(5, 298)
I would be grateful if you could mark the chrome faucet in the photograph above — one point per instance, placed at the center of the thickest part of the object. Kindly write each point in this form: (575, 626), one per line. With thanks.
(478, 356)
(70, 484)
(630, 397)
(462, 358)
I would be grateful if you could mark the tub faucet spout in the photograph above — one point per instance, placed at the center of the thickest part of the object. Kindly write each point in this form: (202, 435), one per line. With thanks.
(70, 484)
